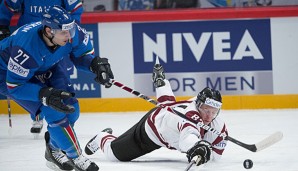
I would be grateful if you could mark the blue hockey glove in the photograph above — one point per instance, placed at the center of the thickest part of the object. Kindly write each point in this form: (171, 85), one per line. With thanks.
(200, 149)
(52, 97)
(102, 69)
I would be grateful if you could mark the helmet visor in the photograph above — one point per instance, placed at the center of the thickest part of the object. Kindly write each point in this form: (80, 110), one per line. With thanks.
(210, 107)
(208, 110)
(69, 28)
(213, 103)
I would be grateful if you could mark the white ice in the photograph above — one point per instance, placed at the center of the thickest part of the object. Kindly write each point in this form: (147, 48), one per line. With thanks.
(19, 151)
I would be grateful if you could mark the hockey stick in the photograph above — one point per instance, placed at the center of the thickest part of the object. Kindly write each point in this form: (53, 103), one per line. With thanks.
(192, 163)
(9, 116)
(268, 141)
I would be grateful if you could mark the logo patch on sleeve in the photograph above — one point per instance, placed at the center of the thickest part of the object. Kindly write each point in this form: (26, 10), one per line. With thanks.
(70, 2)
(17, 69)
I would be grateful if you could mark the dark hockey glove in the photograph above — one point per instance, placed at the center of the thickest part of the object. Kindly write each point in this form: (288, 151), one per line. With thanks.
(158, 76)
(52, 97)
(201, 149)
(4, 32)
(102, 69)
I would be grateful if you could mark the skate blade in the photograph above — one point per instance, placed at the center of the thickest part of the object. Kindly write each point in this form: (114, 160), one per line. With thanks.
(52, 166)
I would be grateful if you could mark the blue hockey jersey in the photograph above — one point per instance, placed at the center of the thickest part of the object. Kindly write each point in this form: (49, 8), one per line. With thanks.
(32, 10)
(25, 54)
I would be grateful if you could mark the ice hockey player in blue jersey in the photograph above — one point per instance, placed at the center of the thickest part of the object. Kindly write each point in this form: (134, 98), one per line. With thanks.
(31, 73)
(31, 11)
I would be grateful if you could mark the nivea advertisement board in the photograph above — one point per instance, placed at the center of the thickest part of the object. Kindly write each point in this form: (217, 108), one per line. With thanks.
(233, 56)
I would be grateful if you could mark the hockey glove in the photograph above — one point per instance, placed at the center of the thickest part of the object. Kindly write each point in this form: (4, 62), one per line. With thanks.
(102, 69)
(4, 32)
(52, 97)
(202, 149)
(158, 76)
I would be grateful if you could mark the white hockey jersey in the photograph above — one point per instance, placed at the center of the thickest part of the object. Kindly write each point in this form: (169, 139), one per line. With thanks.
(170, 130)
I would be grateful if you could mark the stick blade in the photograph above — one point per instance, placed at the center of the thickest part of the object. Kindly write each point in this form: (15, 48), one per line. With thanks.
(267, 142)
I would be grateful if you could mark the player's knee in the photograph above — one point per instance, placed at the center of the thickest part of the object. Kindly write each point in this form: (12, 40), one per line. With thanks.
(73, 117)
(60, 123)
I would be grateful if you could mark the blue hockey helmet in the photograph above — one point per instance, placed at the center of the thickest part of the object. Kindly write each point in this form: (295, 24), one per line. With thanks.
(57, 18)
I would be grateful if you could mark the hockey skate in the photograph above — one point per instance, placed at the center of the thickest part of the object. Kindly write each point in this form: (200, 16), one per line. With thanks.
(158, 74)
(92, 146)
(82, 163)
(36, 128)
(56, 159)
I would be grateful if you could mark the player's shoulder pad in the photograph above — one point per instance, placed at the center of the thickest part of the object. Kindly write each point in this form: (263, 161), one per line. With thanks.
(81, 36)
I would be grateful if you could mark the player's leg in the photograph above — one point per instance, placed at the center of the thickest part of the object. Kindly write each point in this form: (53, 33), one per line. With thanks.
(134, 142)
(37, 123)
(60, 127)
(63, 136)
(56, 154)
(55, 157)
(102, 141)
(130, 145)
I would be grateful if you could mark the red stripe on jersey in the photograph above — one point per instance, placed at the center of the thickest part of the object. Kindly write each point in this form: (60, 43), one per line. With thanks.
(150, 121)
(188, 124)
(202, 132)
(166, 98)
(179, 127)
(217, 150)
(11, 87)
(219, 139)
(76, 7)
(9, 8)
(170, 110)
(175, 103)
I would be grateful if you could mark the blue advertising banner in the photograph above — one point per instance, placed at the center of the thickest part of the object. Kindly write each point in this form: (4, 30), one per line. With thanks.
(2, 97)
(233, 56)
(200, 46)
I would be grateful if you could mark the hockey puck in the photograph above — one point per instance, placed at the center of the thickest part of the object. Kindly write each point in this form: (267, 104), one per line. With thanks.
(247, 164)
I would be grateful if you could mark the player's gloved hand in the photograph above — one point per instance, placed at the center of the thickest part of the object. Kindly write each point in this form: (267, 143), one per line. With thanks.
(158, 76)
(52, 97)
(102, 69)
(201, 149)
(4, 32)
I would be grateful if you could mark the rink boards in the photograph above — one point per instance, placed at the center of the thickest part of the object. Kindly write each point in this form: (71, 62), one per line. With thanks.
(247, 54)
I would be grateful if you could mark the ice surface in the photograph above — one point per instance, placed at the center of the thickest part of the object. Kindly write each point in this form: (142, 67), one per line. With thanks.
(19, 151)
